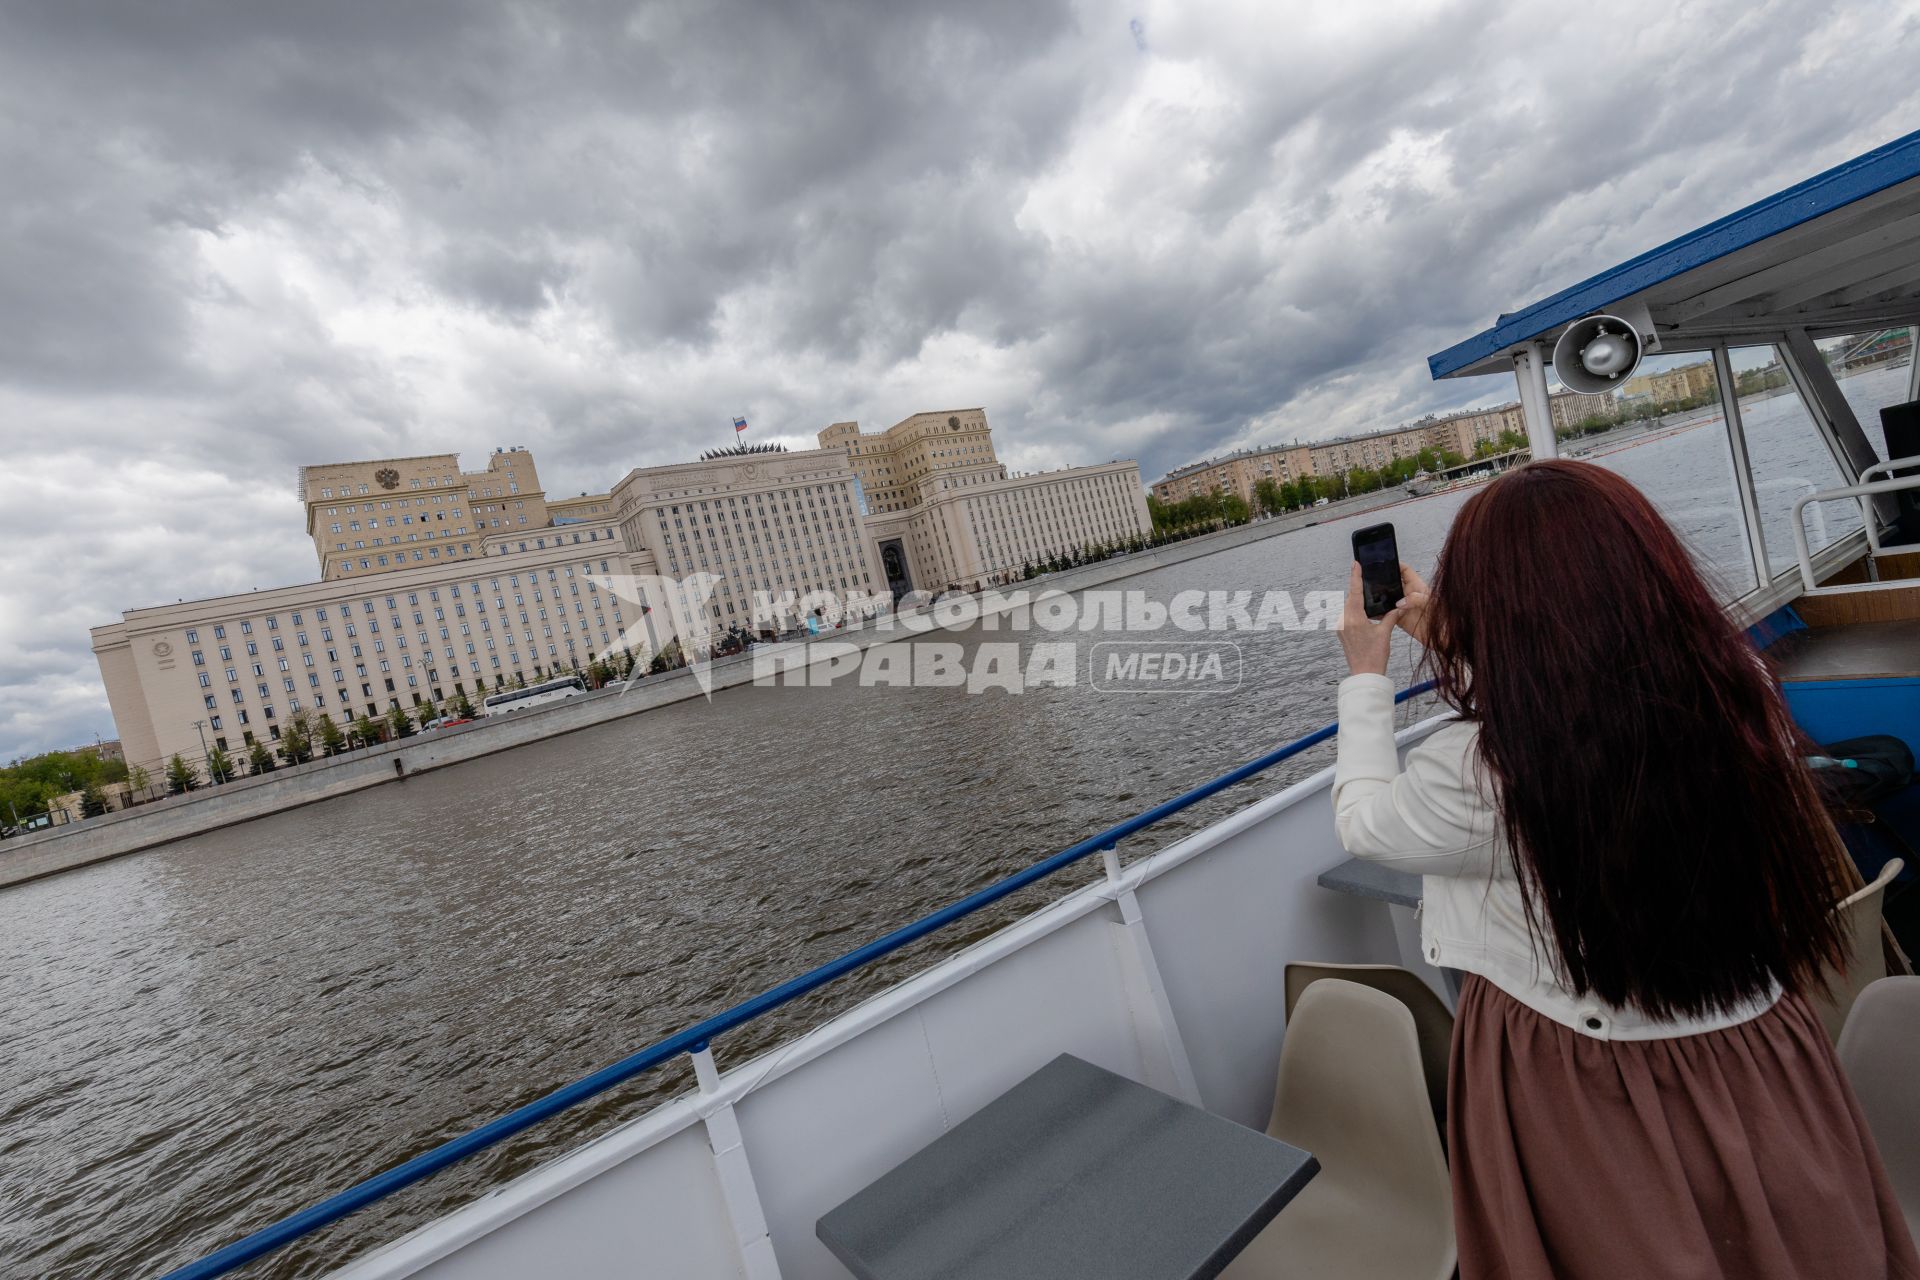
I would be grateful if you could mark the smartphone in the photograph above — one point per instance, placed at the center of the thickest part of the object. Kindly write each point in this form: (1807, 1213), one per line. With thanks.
(1379, 558)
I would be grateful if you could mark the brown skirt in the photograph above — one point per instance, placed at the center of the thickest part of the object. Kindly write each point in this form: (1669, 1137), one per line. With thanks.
(1736, 1154)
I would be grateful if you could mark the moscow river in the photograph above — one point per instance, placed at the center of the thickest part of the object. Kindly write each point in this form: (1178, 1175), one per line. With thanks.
(203, 1038)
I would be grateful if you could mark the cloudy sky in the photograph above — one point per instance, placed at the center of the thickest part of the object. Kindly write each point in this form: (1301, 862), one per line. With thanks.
(240, 237)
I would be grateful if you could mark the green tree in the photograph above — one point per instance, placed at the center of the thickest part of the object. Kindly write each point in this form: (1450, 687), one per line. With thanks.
(598, 674)
(365, 731)
(139, 782)
(296, 738)
(92, 802)
(332, 741)
(462, 708)
(181, 776)
(219, 765)
(399, 723)
(260, 759)
(1267, 496)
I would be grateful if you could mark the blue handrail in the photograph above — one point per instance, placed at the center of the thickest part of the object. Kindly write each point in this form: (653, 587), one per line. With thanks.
(695, 1037)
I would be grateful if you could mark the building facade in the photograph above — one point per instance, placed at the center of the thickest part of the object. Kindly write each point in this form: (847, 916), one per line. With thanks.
(766, 523)
(944, 512)
(1240, 473)
(438, 583)
(1237, 473)
(496, 603)
(897, 467)
(396, 513)
(984, 533)
(1670, 386)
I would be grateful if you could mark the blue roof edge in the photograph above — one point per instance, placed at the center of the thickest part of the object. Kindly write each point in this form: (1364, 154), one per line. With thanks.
(1852, 180)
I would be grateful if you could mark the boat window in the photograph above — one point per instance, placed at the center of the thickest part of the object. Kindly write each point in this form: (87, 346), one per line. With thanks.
(1790, 458)
(1674, 448)
(1872, 370)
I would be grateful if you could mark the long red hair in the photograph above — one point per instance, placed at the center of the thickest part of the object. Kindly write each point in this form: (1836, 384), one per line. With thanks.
(1668, 838)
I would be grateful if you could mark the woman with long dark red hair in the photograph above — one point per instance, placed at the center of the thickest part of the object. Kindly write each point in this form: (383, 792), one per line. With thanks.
(1624, 851)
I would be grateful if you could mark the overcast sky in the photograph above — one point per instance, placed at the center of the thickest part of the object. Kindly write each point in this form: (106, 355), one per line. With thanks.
(241, 237)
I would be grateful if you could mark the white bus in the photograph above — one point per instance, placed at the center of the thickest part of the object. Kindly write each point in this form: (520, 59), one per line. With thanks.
(534, 695)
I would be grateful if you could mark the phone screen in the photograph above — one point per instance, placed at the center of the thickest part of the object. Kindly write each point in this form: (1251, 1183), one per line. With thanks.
(1379, 558)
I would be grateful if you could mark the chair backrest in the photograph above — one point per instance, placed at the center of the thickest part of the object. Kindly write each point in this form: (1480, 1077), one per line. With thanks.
(1352, 1091)
(1432, 1020)
(1880, 1051)
(1866, 958)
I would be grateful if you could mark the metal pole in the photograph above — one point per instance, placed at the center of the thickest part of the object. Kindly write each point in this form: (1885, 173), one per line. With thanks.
(206, 757)
(1742, 464)
(1530, 371)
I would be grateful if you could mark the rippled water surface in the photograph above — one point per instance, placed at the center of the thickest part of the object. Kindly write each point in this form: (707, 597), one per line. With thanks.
(203, 1038)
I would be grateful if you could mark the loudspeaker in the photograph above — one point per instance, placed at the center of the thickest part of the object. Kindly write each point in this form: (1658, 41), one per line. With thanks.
(1597, 354)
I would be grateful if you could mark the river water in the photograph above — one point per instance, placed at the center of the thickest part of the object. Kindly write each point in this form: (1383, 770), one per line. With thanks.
(203, 1038)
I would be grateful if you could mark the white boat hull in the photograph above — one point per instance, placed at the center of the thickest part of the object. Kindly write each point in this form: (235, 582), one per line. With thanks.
(1170, 975)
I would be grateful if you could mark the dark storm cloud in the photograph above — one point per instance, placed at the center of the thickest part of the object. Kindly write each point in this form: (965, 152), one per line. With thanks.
(244, 237)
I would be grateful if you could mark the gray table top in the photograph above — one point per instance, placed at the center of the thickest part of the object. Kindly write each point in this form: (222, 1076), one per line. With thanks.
(1371, 880)
(1074, 1172)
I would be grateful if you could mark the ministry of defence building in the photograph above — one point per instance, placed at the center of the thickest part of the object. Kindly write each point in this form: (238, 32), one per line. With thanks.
(437, 582)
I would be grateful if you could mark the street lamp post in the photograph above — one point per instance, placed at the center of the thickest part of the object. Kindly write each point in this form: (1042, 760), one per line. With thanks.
(206, 757)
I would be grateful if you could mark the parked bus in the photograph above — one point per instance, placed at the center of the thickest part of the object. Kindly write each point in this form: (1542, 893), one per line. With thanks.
(534, 695)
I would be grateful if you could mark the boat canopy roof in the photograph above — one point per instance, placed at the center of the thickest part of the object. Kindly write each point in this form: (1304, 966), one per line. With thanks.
(1838, 253)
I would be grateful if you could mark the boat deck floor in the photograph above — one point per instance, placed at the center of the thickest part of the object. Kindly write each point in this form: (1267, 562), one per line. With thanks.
(1855, 651)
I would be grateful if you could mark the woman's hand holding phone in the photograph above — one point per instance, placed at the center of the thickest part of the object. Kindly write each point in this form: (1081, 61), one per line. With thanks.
(1412, 610)
(1368, 643)
(1365, 641)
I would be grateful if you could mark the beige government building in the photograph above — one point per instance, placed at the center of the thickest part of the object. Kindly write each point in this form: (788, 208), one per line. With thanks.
(436, 582)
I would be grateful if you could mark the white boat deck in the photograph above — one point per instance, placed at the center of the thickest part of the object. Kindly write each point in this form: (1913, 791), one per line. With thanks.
(1170, 974)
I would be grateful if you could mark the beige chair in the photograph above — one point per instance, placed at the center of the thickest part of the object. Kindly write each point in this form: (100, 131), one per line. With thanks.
(1866, 959)
(1351, 1091)
(1880, 1050)
(1432, 1020)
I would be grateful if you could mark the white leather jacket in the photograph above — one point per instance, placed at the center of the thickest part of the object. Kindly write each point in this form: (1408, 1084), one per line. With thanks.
(1434, 816)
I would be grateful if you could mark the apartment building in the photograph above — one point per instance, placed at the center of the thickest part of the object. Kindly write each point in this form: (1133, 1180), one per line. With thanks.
(1238, 473)
(1461, 433)
(1670, 386)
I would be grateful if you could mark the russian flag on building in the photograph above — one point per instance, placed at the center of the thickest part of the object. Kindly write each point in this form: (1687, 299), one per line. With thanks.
(739, 425)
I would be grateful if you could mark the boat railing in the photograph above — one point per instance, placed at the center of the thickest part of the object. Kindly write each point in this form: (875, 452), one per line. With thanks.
(696, 1040)
(1804, 553)
(1889, 467)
